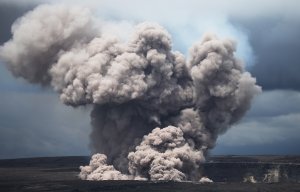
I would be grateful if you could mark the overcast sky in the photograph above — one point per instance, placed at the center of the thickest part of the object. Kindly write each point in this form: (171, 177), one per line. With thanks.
(33, 122)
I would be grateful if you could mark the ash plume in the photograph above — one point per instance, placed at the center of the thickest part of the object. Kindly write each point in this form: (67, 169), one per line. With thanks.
(155, 114)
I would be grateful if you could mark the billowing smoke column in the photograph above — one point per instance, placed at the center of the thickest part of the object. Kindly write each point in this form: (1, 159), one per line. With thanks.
(155, 115)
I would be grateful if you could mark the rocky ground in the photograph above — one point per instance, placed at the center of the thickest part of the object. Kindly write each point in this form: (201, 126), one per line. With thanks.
(228, 172)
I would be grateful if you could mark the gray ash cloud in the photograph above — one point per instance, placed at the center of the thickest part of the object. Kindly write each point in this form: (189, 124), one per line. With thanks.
(155, 114)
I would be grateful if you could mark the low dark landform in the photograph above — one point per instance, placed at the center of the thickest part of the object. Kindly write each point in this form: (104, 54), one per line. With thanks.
(229, 173)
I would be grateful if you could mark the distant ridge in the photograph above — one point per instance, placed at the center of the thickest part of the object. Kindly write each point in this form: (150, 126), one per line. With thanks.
(83, 160)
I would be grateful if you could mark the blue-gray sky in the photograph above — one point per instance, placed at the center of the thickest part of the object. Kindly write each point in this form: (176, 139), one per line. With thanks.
(267, 33)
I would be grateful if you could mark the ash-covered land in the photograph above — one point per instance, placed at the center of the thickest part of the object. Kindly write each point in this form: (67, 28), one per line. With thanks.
(229, 173)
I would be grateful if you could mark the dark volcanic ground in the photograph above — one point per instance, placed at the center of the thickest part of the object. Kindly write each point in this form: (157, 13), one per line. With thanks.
(228, 172)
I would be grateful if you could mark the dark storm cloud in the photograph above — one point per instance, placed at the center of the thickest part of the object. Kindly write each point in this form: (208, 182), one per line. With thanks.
(276, 44)
(266, 135)
(29, 126)
(274, 103)
(9, 12)
(270, 127)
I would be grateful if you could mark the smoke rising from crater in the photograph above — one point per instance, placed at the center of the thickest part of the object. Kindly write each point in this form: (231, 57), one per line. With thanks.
(155, 114)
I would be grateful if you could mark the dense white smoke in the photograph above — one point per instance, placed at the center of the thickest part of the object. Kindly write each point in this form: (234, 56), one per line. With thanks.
(155, 115)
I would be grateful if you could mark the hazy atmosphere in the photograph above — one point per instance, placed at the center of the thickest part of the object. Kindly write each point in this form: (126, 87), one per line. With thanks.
(34, 122)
